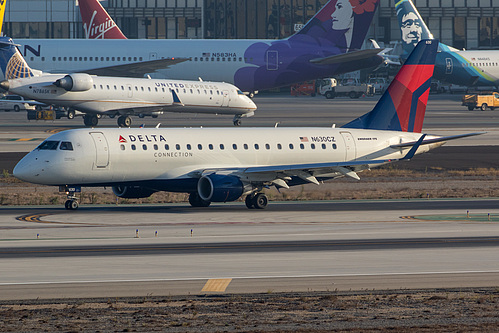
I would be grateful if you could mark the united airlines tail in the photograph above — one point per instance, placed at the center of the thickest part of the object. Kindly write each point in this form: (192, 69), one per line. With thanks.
(12, 63)
(412, 83)
(345, 22)
(97, 23)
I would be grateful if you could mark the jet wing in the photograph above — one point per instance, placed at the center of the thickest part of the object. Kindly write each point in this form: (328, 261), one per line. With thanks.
(435, 140)
(137, 69)
(347, 57)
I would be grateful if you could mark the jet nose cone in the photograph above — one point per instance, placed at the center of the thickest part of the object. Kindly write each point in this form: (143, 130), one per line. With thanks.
(5, 85)
(24, 170)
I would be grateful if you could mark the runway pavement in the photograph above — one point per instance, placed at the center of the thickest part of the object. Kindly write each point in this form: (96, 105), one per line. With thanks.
(294, 246)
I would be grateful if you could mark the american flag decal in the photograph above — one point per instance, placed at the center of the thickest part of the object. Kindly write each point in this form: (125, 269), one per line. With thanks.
(303, 139)
(206, 54)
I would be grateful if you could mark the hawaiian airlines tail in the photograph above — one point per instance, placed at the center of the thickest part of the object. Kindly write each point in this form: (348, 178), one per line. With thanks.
(412, 83)
(344, 22)
(12, 63)
(2, 13)
(97, 23)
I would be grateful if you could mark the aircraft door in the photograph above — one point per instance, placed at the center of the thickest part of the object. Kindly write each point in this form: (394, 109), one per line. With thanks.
(272, 60)
(225, 98)
(101, 150)
(350, 149)
(448, 66)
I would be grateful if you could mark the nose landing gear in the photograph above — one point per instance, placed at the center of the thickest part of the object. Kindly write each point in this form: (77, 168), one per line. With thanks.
(72, 202)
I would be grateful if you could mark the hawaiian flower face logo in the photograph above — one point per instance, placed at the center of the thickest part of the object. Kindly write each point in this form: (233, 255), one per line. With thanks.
(362, 6)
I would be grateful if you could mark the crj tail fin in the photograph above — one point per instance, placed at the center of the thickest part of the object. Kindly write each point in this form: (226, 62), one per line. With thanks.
(412, 27)
(402, 107)
(97, 23)
(12, 63)
(343, 22)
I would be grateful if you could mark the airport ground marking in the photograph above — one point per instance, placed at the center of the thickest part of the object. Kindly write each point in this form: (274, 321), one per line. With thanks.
(216, 285)
(483, 217)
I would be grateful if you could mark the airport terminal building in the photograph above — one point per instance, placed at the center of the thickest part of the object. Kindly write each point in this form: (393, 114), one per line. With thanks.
(467, 24)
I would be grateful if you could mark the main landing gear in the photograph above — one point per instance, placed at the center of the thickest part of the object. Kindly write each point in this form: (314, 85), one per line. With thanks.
(237, 120)
(90, 120)
(124, 121)
(256, 200)
(196, 201)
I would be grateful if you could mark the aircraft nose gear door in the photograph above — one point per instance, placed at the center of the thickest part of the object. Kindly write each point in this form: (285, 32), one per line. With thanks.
(448, 65)
(101, 150)
(272, 60)
(350, 150)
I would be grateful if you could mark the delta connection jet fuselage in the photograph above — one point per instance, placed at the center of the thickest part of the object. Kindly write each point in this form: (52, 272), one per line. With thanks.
(222, 164)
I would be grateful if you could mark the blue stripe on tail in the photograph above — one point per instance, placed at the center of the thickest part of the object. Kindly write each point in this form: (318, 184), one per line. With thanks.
(12, 63)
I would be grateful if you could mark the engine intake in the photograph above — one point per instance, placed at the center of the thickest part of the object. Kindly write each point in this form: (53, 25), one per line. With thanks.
(220, 188)
(132, 192)
(75, 82)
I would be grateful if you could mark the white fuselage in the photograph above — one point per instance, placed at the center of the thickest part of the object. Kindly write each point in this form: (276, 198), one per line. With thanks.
(118, 156)
(137, 96)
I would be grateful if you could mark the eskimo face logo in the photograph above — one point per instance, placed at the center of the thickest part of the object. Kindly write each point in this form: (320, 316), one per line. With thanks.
(17, 67)
(411, 29)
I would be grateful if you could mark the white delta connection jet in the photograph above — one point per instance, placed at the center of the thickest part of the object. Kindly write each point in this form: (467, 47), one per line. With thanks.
(112, 96)
(223, 164)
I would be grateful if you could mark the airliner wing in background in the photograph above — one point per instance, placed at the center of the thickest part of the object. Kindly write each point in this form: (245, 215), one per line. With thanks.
(137, 69)
(346, 57)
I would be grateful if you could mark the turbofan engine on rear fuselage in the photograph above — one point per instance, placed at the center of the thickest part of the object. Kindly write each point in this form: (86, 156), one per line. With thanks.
(75, 82)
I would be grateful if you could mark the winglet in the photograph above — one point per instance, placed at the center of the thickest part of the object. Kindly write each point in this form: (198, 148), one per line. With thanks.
(176, 99)
(414, 148)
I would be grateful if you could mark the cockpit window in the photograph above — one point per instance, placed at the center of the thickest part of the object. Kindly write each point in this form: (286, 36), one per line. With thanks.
(66, 145)
(48, 145)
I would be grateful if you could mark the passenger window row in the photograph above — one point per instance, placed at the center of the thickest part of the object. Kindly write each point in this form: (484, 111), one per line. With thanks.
(178, 90)
(234, 146)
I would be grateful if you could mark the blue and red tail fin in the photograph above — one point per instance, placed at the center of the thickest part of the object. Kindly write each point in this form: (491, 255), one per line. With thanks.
(402, 107)
(97, 23)
(346, 22)
(12, 63)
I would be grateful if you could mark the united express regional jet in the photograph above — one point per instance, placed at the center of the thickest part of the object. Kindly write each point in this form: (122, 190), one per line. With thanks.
(470, 68)
(329, 44)
(223, 164)
(102, 95)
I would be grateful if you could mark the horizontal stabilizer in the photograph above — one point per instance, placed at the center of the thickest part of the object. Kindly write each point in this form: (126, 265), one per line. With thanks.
(435, 140)
(137, 69)
(346, 57)
(414, 148)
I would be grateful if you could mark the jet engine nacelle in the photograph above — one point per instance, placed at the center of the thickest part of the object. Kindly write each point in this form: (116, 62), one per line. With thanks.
(132, 192)
(220, 188)
(75, 82)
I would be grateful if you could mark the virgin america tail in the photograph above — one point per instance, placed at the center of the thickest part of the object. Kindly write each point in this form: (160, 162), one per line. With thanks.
(97, 23)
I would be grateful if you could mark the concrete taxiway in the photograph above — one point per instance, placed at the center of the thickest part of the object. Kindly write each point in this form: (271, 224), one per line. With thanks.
(111, 251)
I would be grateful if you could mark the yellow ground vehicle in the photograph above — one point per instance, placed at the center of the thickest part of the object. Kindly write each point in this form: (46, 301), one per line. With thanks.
(482, 100)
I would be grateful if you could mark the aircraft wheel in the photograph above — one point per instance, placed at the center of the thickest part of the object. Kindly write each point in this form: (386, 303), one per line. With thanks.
(127, 121)
(260, 201)
(196, 201)
(71, 204)
(71, 114)
(141, 115)
(483, 107)
(249, 201)
(237, 122)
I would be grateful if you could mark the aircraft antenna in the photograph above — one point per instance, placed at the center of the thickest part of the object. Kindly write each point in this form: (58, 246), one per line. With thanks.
(200, 79)
(276, 124)
(334, 126)
(148, 76)
(159, 124)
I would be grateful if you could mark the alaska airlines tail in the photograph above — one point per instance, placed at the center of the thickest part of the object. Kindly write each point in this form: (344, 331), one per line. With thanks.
(345, 22)
(97, 23)
(2, 13)
(412, 27)
(412, 83)
(12, 63)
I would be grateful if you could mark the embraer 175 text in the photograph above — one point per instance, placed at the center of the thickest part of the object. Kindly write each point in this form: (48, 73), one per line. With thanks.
(223, 164)
(470, 68)
(113, 96)
(329, 44)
